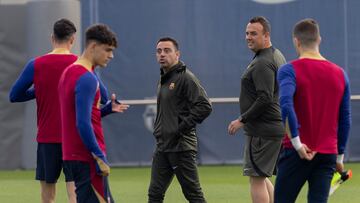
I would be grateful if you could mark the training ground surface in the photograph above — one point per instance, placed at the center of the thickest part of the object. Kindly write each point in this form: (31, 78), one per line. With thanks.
(221, 184)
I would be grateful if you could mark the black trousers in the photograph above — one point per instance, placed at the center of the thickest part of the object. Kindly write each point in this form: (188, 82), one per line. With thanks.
(182, 164)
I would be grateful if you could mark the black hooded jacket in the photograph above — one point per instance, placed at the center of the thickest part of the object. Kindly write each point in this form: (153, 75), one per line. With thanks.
(181, 104)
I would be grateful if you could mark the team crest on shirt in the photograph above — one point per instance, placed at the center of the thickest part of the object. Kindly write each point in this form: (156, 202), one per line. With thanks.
(171, 86)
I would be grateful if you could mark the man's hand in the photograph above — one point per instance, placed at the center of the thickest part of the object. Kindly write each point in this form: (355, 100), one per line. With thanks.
(339, 167)
(234, 126)
(116, 106)
(306, 153)
(340, 163)
(102, 166)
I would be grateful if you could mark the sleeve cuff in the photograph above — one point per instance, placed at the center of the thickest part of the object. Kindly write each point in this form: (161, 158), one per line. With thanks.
(340, 158)
(241, 119)
(106, 109)
(296, 142)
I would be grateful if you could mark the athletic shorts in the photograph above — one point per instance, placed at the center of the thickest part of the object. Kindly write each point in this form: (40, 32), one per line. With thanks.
(90, 187)
(260, 156)
(49, 163)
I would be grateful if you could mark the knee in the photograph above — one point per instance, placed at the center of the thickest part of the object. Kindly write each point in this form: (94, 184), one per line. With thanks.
(156, 195)
(72, 197)
(70, 187)
(48, 192)
(255, 180)
(48, 197)
(155, 198)
(284, 196)
(194, 195)
(318, 198)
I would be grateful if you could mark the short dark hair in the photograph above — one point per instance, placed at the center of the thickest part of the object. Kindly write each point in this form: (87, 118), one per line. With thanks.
(167, 39)
(306, 31)
(102, 34)
(263, 21)
(63, 29)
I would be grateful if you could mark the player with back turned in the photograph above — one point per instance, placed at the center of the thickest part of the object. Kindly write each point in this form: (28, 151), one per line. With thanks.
(44, 73)
(315, 103)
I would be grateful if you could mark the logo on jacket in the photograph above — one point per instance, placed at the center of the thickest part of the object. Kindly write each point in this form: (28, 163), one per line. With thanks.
(171, 86)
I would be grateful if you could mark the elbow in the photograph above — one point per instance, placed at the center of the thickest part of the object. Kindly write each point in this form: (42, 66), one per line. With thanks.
(286, 100)
(201, 114)
(265, 100)
(284, 114)
(204, 108)
(12, 100)
(345, 122)
(12, 97)
(286, 108)
(209, 110)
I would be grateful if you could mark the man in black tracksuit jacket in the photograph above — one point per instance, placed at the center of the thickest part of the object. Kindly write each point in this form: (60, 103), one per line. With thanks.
(260, 111)
(181, 104)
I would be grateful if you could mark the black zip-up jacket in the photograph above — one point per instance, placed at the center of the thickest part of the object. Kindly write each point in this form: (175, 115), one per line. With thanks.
(181, 104)
(259, 97)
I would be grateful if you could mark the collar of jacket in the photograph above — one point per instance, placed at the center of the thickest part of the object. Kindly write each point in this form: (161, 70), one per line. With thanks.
(179, 67)
(262, 51)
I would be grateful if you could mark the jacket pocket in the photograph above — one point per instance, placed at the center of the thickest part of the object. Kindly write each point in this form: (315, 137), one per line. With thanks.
(182, 126)
(170, 127)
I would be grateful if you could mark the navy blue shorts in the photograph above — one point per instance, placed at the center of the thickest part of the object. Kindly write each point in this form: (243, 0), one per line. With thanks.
(90, 187)
(49, 163)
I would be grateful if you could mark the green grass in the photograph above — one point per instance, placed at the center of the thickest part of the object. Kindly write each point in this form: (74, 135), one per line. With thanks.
(221, 184)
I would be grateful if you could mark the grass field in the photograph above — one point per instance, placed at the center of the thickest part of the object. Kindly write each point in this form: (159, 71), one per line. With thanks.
(221, 184)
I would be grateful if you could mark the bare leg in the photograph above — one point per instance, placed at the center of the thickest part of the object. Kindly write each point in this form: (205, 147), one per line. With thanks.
(48, 192)
(70, 187)
(258, 190)
(270, 189)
